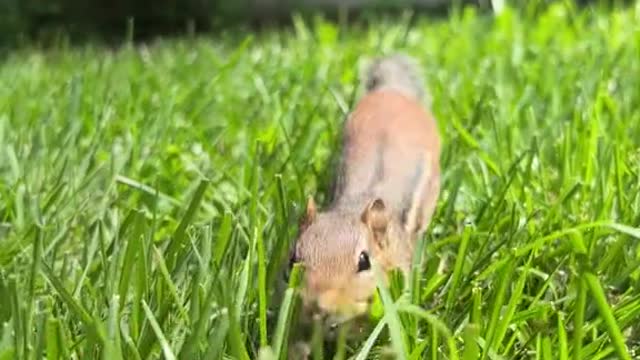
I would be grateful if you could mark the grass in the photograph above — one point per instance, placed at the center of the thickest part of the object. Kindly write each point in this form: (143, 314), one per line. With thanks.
(149, 195)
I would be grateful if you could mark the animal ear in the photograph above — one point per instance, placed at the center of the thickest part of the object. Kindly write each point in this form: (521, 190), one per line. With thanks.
(376, 218)
(309, 215)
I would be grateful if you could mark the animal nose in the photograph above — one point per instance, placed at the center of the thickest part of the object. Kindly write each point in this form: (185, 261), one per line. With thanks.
(326, 321)
(323, 317)
(317, 312)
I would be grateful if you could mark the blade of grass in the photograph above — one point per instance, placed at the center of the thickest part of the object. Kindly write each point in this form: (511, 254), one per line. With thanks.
(53, 341)
(178, 238)
(371, 340)
(286, 311)
(396, 330)
(262, 286)
(435, 342)
(114, 350)
(224, 236)
(563, 351)
(41, 320)
(317, 340)
(471, 350)
(173, 291)
(164, 344)
(538, 243)
(129, 255)
(217, 337)
(514, 299)
(578, 318)
(73, 305)
(605, 311)
(30, 301)
(341, 342)
(457, 269)
(436, 324)
(504, 279)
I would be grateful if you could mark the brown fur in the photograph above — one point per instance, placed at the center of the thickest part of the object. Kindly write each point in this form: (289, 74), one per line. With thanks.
(387, 191)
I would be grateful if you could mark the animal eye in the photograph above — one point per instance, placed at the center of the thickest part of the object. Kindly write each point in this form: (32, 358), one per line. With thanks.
(363, 262)
(292, 259)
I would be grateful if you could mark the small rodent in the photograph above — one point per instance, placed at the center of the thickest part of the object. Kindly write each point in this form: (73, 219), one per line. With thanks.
(387, 186)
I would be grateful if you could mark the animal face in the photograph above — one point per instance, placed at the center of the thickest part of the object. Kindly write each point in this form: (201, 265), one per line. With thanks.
(337, 249)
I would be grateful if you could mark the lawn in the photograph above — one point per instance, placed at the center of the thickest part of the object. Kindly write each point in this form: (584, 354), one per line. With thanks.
(149, 194)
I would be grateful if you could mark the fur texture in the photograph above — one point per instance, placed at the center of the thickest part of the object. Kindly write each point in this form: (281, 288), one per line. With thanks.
(398, 72)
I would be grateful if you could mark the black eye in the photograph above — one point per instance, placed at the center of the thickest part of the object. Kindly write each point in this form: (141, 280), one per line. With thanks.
(292, 259)
(363, 262)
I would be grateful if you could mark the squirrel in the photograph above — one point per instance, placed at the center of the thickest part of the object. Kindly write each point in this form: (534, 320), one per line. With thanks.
(386, 190)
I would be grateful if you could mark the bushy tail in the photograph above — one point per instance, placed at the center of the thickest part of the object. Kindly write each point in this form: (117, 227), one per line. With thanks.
(398, 72)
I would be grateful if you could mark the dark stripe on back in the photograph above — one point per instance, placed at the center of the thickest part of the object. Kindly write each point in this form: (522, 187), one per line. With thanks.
(414, 182)
(378, 172)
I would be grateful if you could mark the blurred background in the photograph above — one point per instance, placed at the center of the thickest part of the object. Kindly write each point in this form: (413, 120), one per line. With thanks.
(114, 20)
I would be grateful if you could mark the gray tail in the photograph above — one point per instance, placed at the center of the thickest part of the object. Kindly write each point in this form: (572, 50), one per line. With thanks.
(397, 72)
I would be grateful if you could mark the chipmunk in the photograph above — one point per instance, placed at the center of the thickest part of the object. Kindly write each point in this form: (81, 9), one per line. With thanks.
(386, 191)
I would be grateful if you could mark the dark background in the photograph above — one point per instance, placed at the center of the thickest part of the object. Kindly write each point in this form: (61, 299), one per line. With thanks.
(44, 21)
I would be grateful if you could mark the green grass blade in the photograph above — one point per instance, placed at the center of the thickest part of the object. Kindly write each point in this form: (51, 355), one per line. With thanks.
(436, 324)
(113, 350)
(605, 311)
(286, 311)
(164, 344)
(178, 239)
(173, 291)
(371, 340)
(41, 321)
(514, 299)
(504, 279)
(457, 268)
(563, 350)
(546, 348)
(30, 301)
(224, 236)
(73, 305)
(217, 337)
(129, 255)
(53, 340)
(262, 287)
(396, 330)
(471, 350)
(578, 318)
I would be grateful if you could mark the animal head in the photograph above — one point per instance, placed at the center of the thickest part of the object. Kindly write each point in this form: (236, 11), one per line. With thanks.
(337, 249)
